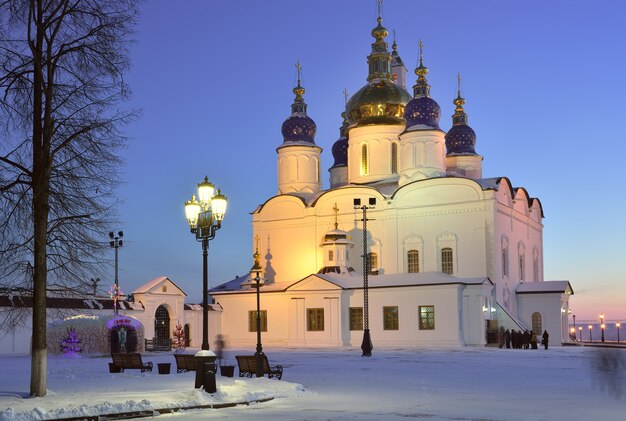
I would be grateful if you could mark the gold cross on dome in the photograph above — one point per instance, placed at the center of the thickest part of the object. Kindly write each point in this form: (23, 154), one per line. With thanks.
(345, 96)
(421, 45)
(380, 6)
(256, 238)
(336, 210)
(458, 78)
(299, 70)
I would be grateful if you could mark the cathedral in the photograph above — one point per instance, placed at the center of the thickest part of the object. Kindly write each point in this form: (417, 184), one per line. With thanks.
(449, 257)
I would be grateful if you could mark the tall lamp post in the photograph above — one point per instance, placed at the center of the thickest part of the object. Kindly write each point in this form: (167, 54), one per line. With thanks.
(204, 217)
(116, 243)
(258, 283)
(366, 345)
(590, 327)
(602, 326)
(617, 325)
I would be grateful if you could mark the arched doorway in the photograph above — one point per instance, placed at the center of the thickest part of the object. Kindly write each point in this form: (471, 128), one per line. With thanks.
(187, 337)
(162, 323)
(536, 320)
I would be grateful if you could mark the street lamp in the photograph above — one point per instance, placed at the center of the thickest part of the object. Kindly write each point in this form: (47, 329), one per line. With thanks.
(574, 317)
(258, 283)
(204, 217)
(590, 327)
(366, 345)
(572, 333)
(617, 325)
(116, 243)
(602, 326)
(580, 331)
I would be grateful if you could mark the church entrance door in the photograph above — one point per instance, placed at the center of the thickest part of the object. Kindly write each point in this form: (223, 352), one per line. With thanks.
(162, 323)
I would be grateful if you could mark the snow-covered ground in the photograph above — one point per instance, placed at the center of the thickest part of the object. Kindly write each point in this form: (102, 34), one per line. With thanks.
(562, 383)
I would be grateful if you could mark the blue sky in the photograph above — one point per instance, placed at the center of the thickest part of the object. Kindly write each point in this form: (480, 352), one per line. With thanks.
(544, 86)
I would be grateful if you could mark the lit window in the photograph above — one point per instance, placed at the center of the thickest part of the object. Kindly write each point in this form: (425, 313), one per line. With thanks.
(252, 321)
(426, 317)
(315, 319)
(372, 263)
(356, 318)
(364, 163)
(394, 158)
(446, 261)
(390, 318)
(413, 259)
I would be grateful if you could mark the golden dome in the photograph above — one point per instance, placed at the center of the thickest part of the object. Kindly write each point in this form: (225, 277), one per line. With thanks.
(381, 101)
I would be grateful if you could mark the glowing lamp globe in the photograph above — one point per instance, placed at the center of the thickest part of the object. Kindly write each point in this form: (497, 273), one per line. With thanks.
(192, 209)
(218, 206)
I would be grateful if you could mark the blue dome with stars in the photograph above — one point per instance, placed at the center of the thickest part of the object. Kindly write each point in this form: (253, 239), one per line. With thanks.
(299, 128)
(340, 147)
(422, 110)
(460, 139)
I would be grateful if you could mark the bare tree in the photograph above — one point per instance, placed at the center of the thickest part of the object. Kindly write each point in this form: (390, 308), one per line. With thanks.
(61, 83)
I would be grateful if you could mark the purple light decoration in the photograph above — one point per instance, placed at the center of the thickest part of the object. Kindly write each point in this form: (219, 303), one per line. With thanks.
(70, 344)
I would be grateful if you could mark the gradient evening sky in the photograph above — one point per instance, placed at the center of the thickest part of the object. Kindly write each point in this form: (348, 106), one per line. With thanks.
(544, 83)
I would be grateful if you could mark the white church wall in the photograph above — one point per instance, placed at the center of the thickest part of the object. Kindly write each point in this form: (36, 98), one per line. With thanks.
(553, 309)
(299, 169)
(378, 139)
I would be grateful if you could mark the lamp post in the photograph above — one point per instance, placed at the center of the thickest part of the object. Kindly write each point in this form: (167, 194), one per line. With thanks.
(366, 345)
(602, 325)
(572, 333)
(580, 331)
(258, 283)
(574, 317)
(617, 325)
(204, 217)
(116, 243)
(590, 327)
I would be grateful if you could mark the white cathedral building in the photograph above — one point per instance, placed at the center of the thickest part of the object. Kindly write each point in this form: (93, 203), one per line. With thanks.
(451, 256)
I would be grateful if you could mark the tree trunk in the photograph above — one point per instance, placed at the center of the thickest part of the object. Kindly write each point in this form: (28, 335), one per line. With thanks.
(40, 184)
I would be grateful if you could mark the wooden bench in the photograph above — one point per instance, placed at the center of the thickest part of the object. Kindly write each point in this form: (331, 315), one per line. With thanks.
(185, 362)
(247, 366)
(130, 360)
(158, 345)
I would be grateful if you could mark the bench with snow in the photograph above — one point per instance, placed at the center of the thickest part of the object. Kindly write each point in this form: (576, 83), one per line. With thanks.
(131, 360)
(247, 366)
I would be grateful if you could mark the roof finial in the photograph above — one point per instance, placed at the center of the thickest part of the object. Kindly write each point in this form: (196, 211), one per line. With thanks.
(421, 45)
(298, 105)
(256, 254)
(345, 96)
(421, 87)
(336, 210)
(299, 71)
(459, 116)
(380, 7)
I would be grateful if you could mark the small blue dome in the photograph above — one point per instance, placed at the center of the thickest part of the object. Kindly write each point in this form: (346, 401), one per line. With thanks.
(340, 152)
(422, 110)
(299, 128)
(460, 139)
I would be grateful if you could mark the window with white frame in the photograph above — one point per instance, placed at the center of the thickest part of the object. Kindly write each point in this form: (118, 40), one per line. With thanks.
(447, 262)
(426, 317)
(413, 261)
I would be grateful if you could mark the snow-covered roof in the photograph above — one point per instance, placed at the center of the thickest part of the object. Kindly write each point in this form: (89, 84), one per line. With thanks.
(354, 280)
(148, 286)
(544, 287)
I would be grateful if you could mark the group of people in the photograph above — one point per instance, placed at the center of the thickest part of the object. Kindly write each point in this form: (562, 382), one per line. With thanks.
(517, 339)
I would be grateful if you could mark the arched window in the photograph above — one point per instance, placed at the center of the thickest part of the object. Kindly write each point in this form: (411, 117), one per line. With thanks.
(372, 263)
(394, 158)
(522, 269)
(364, 162)
(162, 323)
(536, 318)
(447, 265)
(413, 261)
